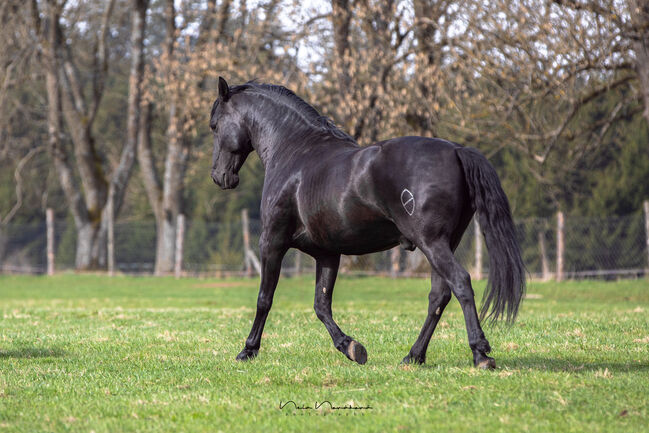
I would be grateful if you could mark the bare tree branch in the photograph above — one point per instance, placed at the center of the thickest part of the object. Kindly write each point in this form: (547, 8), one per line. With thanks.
(19, 183)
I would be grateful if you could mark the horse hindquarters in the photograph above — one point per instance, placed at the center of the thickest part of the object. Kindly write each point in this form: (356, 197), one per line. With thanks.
(433, 213)
(506, 270)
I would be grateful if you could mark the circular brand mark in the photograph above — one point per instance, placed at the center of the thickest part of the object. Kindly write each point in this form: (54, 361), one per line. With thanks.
(408, 201)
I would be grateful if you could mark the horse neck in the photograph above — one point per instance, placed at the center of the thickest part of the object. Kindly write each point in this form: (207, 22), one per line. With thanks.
(277, 132)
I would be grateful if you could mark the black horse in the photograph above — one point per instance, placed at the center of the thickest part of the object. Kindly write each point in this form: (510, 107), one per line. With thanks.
(326, 196)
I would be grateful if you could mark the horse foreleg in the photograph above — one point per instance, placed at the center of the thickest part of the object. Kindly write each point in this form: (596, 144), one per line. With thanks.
(444, 262)
(271, 263)
(438, 298)
(326, 272)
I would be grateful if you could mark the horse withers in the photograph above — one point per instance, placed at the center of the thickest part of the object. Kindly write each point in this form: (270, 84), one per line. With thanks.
(326, 196)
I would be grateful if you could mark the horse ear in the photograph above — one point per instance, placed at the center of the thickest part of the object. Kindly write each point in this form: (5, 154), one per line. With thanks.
(224, 89)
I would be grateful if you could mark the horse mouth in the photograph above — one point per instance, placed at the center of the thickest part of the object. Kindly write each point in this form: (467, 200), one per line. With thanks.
(226, 180)
(230, 182)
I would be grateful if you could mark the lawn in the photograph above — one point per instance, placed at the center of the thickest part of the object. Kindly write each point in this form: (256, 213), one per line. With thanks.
(92, 353)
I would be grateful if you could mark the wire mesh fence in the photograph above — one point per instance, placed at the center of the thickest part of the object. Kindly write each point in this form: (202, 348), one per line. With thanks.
(593, 247)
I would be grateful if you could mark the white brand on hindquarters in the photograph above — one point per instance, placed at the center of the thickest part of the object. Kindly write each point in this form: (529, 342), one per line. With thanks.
(408, 201)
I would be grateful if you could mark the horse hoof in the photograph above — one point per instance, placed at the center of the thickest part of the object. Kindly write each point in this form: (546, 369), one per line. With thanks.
(487, 364)
(247, 354)
(409, 359)
(356, 352)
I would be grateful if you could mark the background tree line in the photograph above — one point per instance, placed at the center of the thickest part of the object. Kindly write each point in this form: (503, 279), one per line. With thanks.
(104, 105)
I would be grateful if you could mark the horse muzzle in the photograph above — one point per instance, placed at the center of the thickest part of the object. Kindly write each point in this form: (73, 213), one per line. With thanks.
(225, 180)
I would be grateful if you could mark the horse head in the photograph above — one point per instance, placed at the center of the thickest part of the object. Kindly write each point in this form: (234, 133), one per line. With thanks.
(231, 139)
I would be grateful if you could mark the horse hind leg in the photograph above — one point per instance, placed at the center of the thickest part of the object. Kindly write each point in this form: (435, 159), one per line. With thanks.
(444, 262)
(326, 272)
(438, 298)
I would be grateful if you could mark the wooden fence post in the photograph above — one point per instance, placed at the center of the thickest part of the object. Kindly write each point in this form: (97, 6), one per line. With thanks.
(477, 234)
(646, 226)
(395, 258)
(298, 263)
(246, 242)
(560, 245)
(110, 246)
(545, 267)
(49, 221)
(180, 238)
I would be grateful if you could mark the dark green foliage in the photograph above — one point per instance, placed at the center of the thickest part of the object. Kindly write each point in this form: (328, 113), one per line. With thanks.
(623, 184)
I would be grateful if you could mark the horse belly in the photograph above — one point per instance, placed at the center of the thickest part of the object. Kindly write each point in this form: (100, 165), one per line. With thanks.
(369, 238)
(352, 235)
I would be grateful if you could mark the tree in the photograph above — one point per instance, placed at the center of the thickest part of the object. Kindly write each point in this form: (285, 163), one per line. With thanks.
(390, 70)
(537, 78)
(165, 197)
(67, 100)
(238, 47)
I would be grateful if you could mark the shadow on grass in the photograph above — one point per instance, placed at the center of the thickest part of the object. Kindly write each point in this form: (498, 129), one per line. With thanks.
(32, 352)
(538, 363)
(571, 365)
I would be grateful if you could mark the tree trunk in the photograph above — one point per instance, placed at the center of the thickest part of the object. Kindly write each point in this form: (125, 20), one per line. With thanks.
(166, 196)
(51, 45)
(165, 227)
(340, 19)
(640, 20)
(66, 96)
(91, 247)
(165, 245)
(427, 15)
(122, 174)
(4, 240)
(172, 193)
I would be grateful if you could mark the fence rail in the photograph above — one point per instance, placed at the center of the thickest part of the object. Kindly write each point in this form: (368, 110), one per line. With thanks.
(553, 248)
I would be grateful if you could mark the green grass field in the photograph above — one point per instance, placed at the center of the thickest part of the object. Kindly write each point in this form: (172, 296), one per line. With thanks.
(91, 353)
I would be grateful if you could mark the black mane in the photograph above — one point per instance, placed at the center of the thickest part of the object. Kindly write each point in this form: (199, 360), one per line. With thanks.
(317, 120)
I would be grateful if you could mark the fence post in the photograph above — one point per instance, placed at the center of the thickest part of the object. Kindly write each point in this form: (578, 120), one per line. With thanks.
(180, 237)
(477, 234)
(395, 256)
(246, 242)
(560, 245)
(545, 267)
(298, 263)
(646, 226)
(49, 221)
(110, 247)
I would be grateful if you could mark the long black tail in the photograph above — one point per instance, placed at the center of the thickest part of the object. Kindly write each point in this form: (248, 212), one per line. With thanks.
(506, 284)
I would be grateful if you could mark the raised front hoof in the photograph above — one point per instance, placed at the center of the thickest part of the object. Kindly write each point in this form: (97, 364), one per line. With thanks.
(485, 363)
(356, 352)
(247, 354)
(410, 359)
